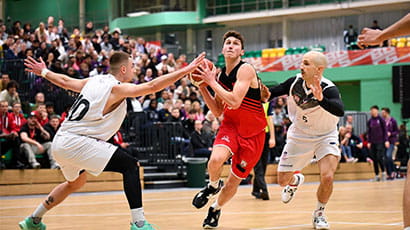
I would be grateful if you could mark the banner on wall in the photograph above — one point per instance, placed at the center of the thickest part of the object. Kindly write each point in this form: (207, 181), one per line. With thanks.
(387, 55)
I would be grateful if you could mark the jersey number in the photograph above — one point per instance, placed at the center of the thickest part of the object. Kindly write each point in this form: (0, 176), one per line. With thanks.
(77, 104)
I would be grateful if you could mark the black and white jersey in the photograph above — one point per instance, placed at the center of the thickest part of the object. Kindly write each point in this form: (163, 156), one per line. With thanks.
(308, 115)
(86, 114)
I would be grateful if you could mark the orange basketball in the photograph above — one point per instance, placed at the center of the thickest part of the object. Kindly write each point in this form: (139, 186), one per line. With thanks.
(197, 81)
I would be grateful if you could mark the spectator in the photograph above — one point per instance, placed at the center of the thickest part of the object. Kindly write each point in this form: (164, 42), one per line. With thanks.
(148, 75)
(52, 126)
(278, 115)
(165, 112)
(207, 123)
(41, 114)
(186, 108)
(151, 111)
(175, 115)
(402, 148)
(115, 40)
(189, 123)
(199, 114)
(38, 99)
(392, 137)
(350, 35)
(141, 46)
(50, 108)
(200, 141)
(378, 142)
(35, 140)
(10, 93)
(17, 117)
(349, 120)
(356, 145)
(9, 134)
(163, 63)
(344, 137)
(183, 88)
(106, 45)
(5, 79)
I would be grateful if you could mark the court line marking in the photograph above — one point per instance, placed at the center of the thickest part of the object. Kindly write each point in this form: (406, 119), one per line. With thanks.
(195, 212)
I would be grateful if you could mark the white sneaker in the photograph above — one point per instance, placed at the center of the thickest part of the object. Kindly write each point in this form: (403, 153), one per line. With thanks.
(384, 176)
(35, 165)
(289, 191)
(319, 220)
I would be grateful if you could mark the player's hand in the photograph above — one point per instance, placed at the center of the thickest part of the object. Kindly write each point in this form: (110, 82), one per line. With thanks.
(316, 88)
(40, 148)
(265, 93)
(195, 63)
(207, 74)
(369, 37)
(34, 66)
(272, 142)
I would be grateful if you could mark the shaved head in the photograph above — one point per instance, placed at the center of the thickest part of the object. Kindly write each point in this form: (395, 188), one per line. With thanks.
(318, 58)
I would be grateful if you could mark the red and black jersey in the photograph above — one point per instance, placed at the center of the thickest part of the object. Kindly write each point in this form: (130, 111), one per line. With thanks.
(249, 119)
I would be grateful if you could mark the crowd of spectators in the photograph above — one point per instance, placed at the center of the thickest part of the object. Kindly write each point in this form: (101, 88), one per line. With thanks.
(83, 54)
(383, 143)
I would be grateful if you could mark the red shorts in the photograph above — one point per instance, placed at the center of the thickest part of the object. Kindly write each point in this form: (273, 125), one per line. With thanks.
(245, 151)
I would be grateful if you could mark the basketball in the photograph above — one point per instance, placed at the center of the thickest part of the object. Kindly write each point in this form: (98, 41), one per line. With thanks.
(197, 81)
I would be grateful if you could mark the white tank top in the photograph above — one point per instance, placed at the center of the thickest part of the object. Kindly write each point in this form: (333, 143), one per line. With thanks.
(307, 116)
(86, 114)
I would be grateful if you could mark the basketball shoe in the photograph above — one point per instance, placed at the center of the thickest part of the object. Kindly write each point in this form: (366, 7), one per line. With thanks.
(211, 221)
(28, 224)
(289, 191)
(147, 226)
(203, 196)
(319, 220)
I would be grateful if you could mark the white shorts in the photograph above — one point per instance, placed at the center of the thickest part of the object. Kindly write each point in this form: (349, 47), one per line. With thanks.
(75, 153)
(299, 150)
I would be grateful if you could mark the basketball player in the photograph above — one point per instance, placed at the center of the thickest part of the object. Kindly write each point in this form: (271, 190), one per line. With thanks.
(80, 144)
(314, 106)
(242, 132)
(374, 37)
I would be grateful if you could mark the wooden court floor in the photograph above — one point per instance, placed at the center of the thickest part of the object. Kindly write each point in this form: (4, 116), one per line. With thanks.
(354, 206)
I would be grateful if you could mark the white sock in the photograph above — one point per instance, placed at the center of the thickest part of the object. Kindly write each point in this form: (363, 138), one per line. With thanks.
(320, 206)
(137, 215)
(215, 205)
(40, 211)
(214, 184)
(407, 228)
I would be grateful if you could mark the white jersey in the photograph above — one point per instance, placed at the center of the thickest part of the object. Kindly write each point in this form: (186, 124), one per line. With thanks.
(86, 114)
(307, 116)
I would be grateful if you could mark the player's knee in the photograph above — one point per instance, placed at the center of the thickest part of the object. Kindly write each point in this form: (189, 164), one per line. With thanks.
(326, 178)
(215, 162)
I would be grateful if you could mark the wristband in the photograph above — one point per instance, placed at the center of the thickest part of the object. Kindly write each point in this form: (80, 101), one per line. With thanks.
(44, 72)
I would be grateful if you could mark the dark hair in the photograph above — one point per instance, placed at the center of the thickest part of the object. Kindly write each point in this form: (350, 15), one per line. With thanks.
(12, 84)
(235, 34)
(387, 110)
(375, 107)
(192, 111)
(117, 59)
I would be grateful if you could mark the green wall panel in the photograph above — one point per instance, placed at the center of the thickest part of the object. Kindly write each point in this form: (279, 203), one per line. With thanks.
(36, 11)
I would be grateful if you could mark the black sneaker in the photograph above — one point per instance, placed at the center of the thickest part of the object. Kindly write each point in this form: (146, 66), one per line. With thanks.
(264, 195)
(203, 196)
(211, 221)
(257, 195)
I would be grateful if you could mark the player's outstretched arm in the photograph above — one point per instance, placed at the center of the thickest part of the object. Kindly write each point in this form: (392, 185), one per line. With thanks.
(60, 80)
(131, 90)
(375, 37)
